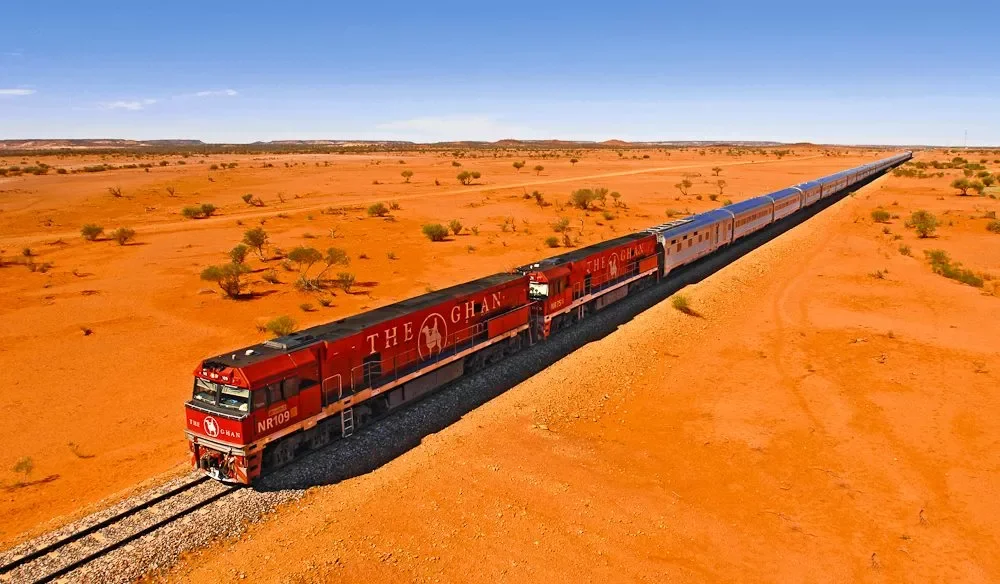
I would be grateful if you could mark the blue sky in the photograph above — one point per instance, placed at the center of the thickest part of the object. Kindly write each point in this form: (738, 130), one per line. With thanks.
(847, 72)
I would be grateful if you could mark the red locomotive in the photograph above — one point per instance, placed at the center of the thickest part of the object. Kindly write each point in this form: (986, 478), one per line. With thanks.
(255, 409)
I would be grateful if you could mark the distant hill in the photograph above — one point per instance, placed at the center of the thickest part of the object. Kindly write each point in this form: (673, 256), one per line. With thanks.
(167, 146)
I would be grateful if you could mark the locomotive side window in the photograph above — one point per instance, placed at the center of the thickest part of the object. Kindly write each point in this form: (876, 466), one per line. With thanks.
(290, 387)
(538, 290)
(274, 393)
(259, 399)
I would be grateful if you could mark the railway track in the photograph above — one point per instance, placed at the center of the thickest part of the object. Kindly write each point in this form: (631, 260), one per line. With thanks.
(70, 552)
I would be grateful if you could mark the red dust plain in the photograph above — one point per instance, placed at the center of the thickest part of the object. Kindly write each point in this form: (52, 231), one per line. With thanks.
(829, 416)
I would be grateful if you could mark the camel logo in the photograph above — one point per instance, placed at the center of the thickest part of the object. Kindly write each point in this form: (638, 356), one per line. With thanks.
(211, 427)
(613, 267)
(433, 336)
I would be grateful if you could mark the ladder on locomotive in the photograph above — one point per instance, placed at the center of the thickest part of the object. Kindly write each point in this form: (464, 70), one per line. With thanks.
(347, 422)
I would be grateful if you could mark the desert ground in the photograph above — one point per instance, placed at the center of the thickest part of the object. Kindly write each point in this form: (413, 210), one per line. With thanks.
(828, 415)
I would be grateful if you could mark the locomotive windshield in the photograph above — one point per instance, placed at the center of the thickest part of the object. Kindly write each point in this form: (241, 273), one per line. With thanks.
(538, 290)
(224, 396)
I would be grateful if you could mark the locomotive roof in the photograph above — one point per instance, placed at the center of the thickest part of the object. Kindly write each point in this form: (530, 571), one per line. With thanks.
(356, 323)
(583, 252)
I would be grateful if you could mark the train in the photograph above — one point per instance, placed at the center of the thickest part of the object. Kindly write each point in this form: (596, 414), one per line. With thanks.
(258, 408)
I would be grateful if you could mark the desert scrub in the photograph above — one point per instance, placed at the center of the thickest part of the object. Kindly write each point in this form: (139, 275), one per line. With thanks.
(681, 303)
(281, 325)
(435, 231)
(123, 235)
(993, 226)
(942, 264)
(456, 226)
(91, 232)
(924, 222)
(378, 210)
(552, 241)
(880, 216)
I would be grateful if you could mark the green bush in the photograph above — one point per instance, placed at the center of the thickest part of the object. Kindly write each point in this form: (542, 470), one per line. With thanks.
(552, 241)
(993, 226)
(378, 210)
(561, 225)
(123, 235)
(924, 222)
(942, 264)
(582, 198)
(455, 225)
(435, 231)
(229, 277)
(281, 325)
(256, 238)
(880, 216)
(681, 303)
(91, 232)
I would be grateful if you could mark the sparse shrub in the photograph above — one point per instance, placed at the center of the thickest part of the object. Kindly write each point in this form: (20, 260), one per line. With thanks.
(539, 198)
(608, 215)
(406, 174)
(455, 225)
(573, 161)
(394, 206)
(698, 197)
(257, 239)
(435, 231)
(566, 241)
(683, 186)
(681, 303)
(538, 169)
(716, 170)
(391, 255)
(582, 198)
(924, 222)
(116, 192)
(474, 229)
(238, 254)
(721, 185)
(214, 167)
(171, 190)
(466, 177)
(281, 326)
(123, 235)
(727, 202)
(91, 232)
(879, 274)
(561, 225)
(518, 165)
(552, 241)
(905, 250)
(229, 277)
(378, 210)
(942, 264)
(977, 186)
(346, 281)
(993, 226)
(616, 199)
(962, 184)
(886, 231)
(713, 197)
(671, 213)
(456, 163)
(191, 212)
(880, 216)
(470, 248)
(24, 466)
(306, 307)
(270, 276)
(324, 301)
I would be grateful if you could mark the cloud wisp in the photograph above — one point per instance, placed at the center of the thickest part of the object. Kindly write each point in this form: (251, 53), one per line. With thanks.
(217, 93)
(16, 91)
(130, 105)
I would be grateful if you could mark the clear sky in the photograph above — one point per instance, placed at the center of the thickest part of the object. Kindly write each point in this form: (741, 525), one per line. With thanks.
(838, 72)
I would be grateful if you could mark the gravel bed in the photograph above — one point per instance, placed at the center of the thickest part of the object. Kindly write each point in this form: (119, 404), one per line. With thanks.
(367, 449)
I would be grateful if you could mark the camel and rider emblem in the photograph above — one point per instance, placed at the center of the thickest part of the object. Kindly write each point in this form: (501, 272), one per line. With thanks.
(433, 336)
(613, 267)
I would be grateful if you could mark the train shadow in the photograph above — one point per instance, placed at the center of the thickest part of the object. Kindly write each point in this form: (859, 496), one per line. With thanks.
(375, 445)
